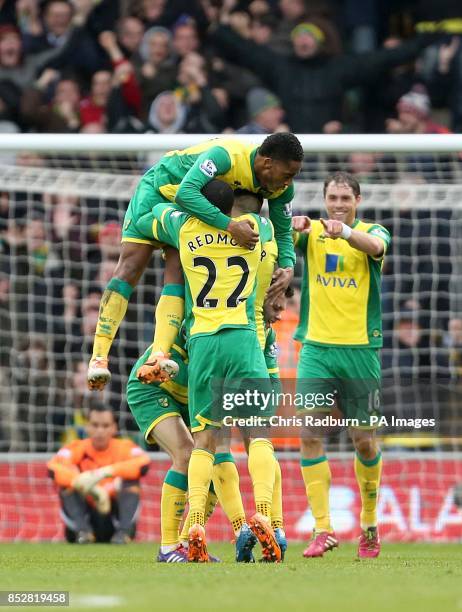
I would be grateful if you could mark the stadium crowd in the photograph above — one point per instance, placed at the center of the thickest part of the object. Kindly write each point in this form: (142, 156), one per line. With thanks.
(210, 66)
(174, 66)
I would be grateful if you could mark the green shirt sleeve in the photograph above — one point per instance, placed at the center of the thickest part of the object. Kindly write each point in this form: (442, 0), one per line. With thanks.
(210, 164)
(300, 240)
(280, 212)
(169, 222)
(380, 232)
(265, 227)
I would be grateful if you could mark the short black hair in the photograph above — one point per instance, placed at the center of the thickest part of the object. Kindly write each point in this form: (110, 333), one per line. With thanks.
(342, 178)
(220, 194)
(283, 146)
(248, 201)
(98, 406)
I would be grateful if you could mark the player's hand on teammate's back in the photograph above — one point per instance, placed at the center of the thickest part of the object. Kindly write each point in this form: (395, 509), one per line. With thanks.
(301, 224)
(281, 280)
(243, 233)
(332, 228)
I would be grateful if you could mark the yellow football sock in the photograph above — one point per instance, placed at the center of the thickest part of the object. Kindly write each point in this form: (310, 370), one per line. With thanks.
(368, 474)
(212, 501)
(112, 309)
(172, 504)
(199, 477)
(169, 316)
(226, 483)
(276, 507)
(262, 470)
(317, 477)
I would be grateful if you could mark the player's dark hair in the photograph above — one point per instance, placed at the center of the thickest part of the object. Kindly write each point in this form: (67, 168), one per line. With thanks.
(283, 146)
(342, 178)
(99, 407)
(220, 194)
(247, 201)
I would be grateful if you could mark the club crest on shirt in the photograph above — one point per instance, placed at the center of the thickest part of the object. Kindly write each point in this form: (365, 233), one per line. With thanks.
(208, 168)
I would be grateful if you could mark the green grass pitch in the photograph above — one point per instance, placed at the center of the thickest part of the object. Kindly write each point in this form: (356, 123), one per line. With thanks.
(406, 577)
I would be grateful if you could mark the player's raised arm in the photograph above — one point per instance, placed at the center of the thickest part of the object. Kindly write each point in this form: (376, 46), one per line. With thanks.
(373, 243)
(212, 163)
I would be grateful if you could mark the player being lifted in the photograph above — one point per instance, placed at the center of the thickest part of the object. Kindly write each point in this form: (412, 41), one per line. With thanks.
(179, 177)
(341, 331)
(220, 320)
(161, 412)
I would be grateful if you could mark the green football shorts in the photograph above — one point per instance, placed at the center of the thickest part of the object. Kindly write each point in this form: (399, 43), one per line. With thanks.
(151, 404)
(222, 365)
(139, 224)
(347, 377)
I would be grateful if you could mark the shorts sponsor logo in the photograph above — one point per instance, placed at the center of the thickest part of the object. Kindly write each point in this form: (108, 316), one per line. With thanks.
(208, 168)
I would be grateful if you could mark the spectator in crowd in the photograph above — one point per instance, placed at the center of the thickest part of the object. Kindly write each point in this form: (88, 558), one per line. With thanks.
(382, 94)
(93, 108)
(167, 114)
(47, 31)
(33, 399)
(98, 480)
(10, 95)
(204, 111)
(453, 341)
(413, 111)
(130, 32)
(157, 72)
(185, 39)
(310, 82)
(60, 113)
(412, 355)
(265, 113)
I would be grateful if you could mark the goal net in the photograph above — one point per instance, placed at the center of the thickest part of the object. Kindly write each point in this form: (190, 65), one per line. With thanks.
(61, 206)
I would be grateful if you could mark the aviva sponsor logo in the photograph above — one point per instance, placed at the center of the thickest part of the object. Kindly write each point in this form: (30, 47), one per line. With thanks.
(335, 263)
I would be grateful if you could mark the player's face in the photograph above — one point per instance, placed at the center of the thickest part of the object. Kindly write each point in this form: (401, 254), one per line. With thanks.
(273, 309)
(276, 175)
(341, 203)
(101, 428)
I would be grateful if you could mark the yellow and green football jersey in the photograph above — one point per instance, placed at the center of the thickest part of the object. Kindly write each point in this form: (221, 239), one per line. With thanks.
(220, 275)
(180, 175)
(340, 301)
(268, 260)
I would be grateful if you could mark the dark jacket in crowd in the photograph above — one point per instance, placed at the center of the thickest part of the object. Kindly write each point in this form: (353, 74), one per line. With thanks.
(312, 90)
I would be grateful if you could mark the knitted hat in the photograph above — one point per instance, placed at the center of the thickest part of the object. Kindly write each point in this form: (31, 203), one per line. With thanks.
(416, 103)
(260, 99)
(309, 28)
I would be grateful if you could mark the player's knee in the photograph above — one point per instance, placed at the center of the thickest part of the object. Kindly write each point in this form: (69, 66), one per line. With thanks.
(181, 459)
(128, 270)
(173, 273)
(311, 446)
(366, 447)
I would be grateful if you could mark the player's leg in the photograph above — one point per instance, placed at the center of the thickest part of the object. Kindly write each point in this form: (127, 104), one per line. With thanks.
(200, 473)
(204, 425)
(248, 372)
(368, 470)
(75, 515)
(313, 378)
(161, 419)
(173, 436)
(169, 316)
(226, 482)
(362, 392)
(133, 260)
(128, 503)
